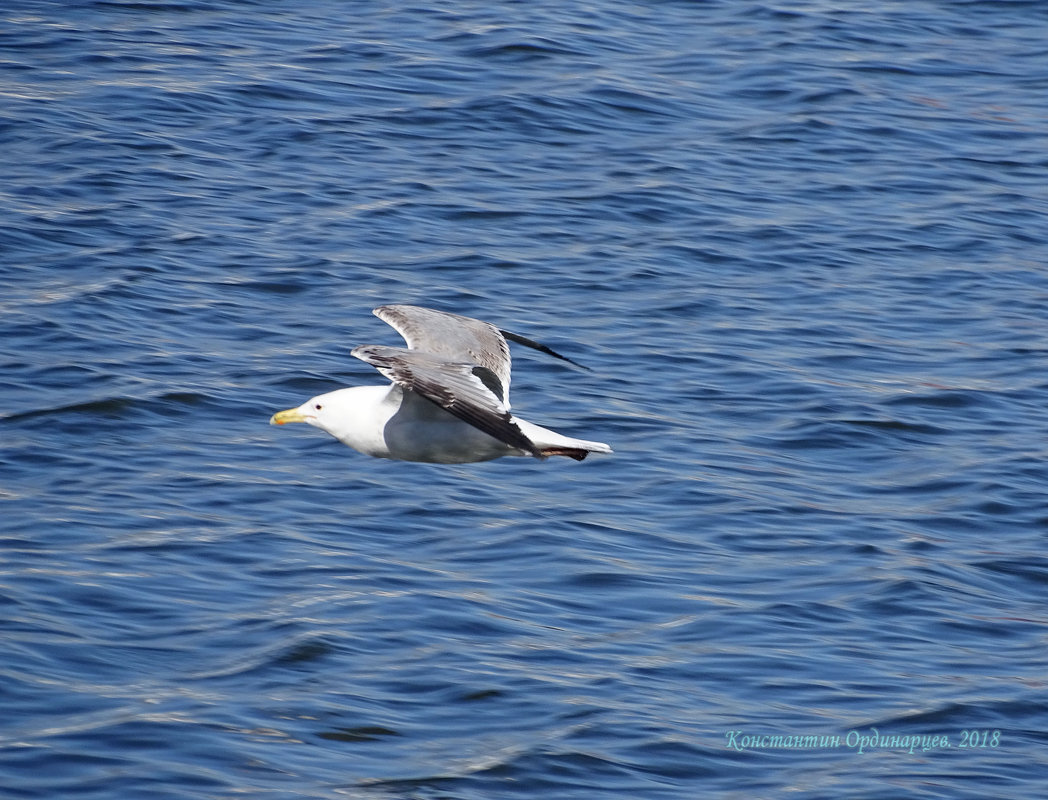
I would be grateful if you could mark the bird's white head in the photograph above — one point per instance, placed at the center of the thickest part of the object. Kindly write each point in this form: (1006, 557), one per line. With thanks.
(355, 415)
(322, 411)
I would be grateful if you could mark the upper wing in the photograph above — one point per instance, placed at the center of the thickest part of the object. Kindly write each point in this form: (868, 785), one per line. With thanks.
(453, 338)
(466, 390)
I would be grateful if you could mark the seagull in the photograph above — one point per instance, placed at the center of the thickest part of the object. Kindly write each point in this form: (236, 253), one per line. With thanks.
(448, 402)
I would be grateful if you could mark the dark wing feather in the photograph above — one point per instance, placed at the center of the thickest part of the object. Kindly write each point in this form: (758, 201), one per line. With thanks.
(524, 340)
(468, 391)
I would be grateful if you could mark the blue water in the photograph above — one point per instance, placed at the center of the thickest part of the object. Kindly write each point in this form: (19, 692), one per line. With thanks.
(803, 247)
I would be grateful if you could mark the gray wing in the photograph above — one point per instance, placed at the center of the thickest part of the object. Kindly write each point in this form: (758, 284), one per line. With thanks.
(453, 338)
(466, 390)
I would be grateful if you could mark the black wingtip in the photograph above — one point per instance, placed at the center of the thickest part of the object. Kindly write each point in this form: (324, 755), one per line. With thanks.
(576, 453)
(524, 340)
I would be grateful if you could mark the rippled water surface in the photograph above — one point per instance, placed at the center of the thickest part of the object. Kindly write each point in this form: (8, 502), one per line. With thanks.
(803, 247)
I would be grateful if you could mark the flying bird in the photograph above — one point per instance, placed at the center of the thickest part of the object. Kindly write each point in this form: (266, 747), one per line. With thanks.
(448, 402)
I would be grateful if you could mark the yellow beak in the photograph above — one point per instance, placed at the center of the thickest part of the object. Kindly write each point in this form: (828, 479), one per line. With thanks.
(284, 417)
